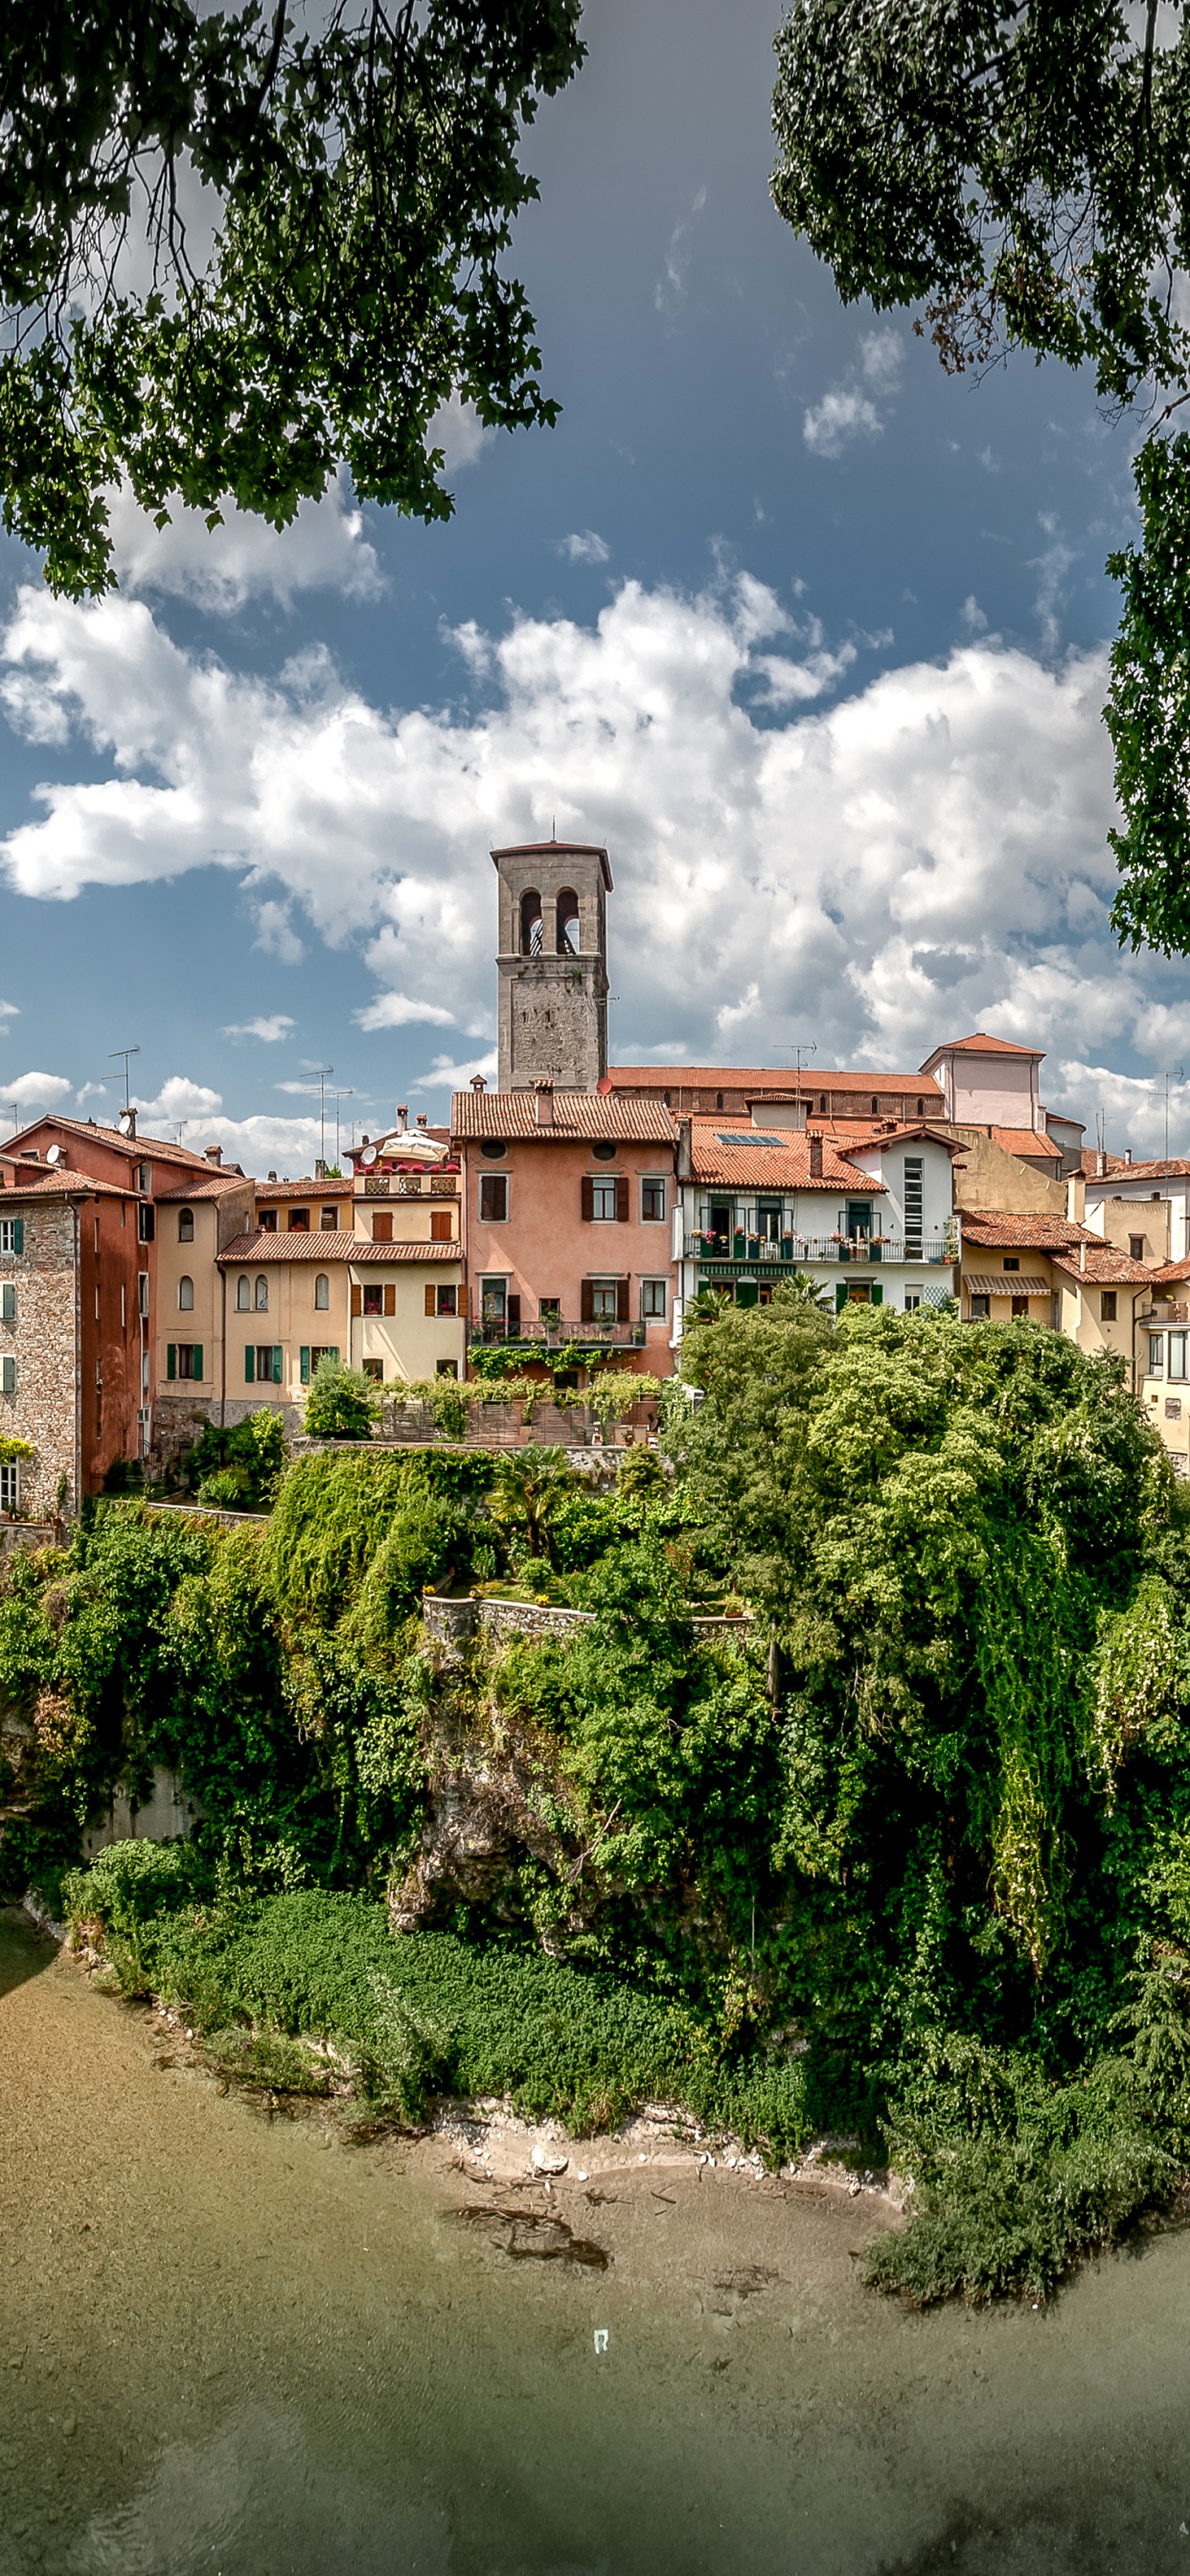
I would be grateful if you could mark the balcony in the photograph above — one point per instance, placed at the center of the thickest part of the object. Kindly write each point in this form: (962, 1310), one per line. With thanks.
(740, 1251)
(556, 1336)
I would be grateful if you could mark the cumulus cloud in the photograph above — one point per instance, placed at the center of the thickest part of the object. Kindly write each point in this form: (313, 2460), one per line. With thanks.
(270, 1031)
(924, 856)
(36, 1090)
(445, 1075)
(457, 429)
(179, 1101)
(193, 1113)
(850, 410)
(323, 549)
(584, 547)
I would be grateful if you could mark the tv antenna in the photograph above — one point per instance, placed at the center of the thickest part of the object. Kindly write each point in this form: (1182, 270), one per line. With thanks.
(321, 1074)
(337, 1096)
(125, 1052)
(1177, 1075)
(798, 1047)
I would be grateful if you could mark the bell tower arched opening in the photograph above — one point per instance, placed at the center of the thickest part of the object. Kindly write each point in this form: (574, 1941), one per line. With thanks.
(570, 930)
(553, 964)
(531, 923)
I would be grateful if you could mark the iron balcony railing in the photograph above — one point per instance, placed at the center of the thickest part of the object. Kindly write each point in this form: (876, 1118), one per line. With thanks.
(791, 1250)
(556, 1335)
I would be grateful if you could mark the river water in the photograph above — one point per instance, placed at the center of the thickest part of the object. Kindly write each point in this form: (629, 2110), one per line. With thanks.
(229, 2348)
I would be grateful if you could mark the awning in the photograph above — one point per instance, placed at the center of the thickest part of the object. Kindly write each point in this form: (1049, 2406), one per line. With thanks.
(1005, 1283)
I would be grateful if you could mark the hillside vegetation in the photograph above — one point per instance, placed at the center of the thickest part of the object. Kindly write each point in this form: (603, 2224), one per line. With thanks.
(912, 1866)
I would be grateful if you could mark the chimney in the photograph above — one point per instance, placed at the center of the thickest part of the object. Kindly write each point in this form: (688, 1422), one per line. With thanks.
(816, 1157)
(423, 1118)
(271, 1176)
(543, 1095)
(319, 1170)
(477, 1083)
(1127, 1153)
(402, 1114)
(1076, 1199)
(213, 1154)
(1100, 1163)
(1082, 1256)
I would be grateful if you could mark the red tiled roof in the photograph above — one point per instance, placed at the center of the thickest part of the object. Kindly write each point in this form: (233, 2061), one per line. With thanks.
(52, 1181)
(1105, 1267)
(1170, 1272)
(265, 1246)
(138, 1148)
(577, 1115)
(305, 1187)
(1034, 1233)
(771, 1082)
(982, 1044)
(1024, 1142)
(1004, 1283)
(746, 1158)
(1176, 1169)
(212, 1187)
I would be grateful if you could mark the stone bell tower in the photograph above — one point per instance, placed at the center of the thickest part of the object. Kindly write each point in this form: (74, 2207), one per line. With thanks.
(553, 965)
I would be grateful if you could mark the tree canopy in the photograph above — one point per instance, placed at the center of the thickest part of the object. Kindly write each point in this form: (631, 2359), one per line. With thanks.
(1023, 174)
(241, 247)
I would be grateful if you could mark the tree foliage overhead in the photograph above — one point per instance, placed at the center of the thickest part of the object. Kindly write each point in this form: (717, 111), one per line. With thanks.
(1023, 173)
(360, 167)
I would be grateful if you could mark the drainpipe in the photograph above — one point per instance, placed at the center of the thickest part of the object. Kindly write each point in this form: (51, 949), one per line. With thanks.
(222, 1347)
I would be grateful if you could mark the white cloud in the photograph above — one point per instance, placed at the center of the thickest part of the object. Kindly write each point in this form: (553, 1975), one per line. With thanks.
(222, 567)
(35, 1090)
(584, 547)
(849, 410)
(444, 1075)
(275, 934)
(179, 1100)
(395, 1010)
(458, 430)
(734, 1013)
(270, 1031)
(10, 1010)
(922, 857)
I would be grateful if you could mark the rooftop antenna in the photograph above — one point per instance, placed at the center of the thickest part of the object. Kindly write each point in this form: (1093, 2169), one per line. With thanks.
(125, 1052)
(798, 1047)
(1178, 1075)
(321, 1074)
(337, 1096)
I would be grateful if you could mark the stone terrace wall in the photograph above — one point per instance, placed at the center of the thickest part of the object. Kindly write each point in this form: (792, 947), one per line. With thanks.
(44, 1343)
(452, 1621)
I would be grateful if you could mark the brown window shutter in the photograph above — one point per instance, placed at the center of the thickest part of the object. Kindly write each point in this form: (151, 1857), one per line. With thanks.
(622, 1198)
(586, 1294)
(390, 1300)
(588, 1199)
(431, 1308)
(463, 1308)
(622, 1287)
(440, 1225)
(357, 1301)
(382, 1226)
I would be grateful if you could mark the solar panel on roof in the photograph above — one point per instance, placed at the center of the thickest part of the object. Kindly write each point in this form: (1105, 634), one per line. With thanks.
(754, 1136)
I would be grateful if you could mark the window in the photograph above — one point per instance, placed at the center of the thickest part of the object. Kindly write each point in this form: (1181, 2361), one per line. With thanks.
(921, 1108)
(310, 1359)
(266, 1219)
(1012, 1261)
(913, 1301)
(980, 1306)
(915, 1183)
(1173, 1408)
(262, 1362)
(185, 1296)
(446, 1368)
(243, 1293)
(446, 1301)
(859, 1216)
(185, 1225)
(145, 1222)
(299, 1220)
(1020, 1310)
(1107, 1306)
(531, 923)
(12, 1234)
(8, 1303)
(875, 1106)
(603, 1300)
(262, 1295)
(719, 1224)
(493, 1149)
(10, 1487)
(604, 1151)
(549, 1311)
(569, 934)
(373, 1301)
(652, 1299)
(603, 1202)
(1156, 1354)
(142, 1292)
(769, 1220)
(1136, 1247)
(190, 1359)
(143, 1177)
(440, 1225)
(374, 1369)
(493, 1197)
(382, 1226)
(329, 1220)
(322, 1293)
(1177, 1355)
(493, 1299)
(8, 1376)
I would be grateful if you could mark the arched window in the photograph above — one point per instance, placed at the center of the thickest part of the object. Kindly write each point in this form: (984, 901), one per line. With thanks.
(186, 1296)
(531, 924)
(875, 1106)
(322, 1292)
(243, 1293)
(920, 1107)
(262, 1295)
(185, 1225)
(570, 938)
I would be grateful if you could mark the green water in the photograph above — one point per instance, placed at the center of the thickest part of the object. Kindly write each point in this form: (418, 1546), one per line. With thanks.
(227, 2347)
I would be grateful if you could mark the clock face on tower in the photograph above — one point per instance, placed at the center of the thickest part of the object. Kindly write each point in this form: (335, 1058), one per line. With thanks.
(552, 965)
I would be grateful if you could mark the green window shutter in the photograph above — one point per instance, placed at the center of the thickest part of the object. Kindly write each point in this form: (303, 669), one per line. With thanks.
(840, 1295)
(8, 1303)
(198, 1360)
(276, 1363)
(249, 1365)
(171, 1359)
(877, 1293)
(305, 1363)
(335, 1355)
(18, 1234)
(8, 1377)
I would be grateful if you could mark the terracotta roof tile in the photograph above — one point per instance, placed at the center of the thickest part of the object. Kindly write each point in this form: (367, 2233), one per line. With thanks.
(264, 1246)
(773, 1082)
(982, 1044)
(1033, 1233)
(46, 1181)
(268, 1190)
(137, 1148)
(1004, 1283)
(1176, 1169)
(1105, 1267)
(577, 1115)
(753, 1159)
(212, 1187)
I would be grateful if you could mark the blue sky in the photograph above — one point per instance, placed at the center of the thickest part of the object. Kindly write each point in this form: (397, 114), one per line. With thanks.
(813, 637)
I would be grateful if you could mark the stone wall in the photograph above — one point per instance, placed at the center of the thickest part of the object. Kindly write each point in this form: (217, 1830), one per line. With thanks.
(168, 1814)
(31, 1534)
(178, 1419)
(453, 1620)
(44, 1342)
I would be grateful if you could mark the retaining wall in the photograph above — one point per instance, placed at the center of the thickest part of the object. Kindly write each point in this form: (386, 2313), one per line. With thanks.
(453, 1620)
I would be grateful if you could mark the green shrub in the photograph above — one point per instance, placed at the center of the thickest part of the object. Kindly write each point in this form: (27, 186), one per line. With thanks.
(341, 1404)
(229, 1489)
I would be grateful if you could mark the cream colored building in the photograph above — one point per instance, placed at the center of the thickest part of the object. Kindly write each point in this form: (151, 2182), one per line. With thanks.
(1051, 1270)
